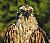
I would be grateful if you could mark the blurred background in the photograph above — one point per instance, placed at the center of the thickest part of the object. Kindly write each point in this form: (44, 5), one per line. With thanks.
(9, 8)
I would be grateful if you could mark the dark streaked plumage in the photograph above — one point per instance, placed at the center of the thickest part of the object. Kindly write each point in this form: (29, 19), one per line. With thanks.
(26, 29)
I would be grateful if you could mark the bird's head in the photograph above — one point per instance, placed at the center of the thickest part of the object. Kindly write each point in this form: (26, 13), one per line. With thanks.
(26, 11)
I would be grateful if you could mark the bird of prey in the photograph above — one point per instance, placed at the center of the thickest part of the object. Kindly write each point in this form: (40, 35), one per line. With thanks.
(26, 28)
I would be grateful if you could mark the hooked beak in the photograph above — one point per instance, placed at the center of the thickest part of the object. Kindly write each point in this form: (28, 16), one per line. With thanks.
(26, 15)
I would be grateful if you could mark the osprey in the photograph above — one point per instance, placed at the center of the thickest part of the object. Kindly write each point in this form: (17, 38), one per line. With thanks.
(26, 29)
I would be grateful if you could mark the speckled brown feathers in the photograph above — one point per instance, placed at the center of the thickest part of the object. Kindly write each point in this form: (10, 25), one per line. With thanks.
(26, 29)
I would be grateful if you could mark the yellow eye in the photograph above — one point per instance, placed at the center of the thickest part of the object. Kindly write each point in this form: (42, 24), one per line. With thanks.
(20, 10)
(31, 10)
